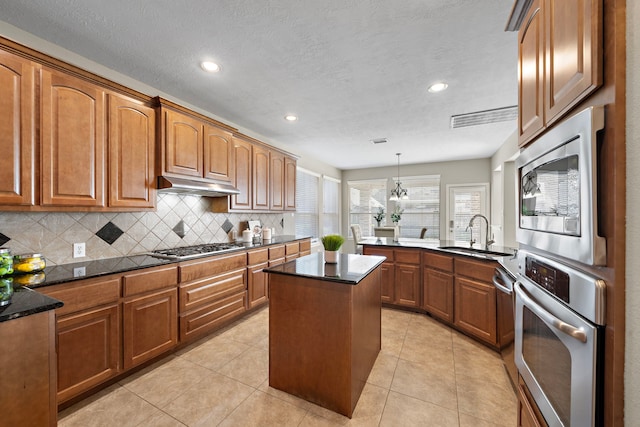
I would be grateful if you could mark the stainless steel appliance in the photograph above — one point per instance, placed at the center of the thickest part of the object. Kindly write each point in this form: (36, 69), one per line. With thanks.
(559, 339)
(503, 280)
(187, 252)
(558, 200)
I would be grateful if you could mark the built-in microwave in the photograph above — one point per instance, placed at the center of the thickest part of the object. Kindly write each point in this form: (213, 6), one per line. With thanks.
(558, 190)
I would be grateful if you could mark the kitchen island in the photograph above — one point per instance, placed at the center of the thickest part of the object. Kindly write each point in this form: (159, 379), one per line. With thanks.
(324, 328)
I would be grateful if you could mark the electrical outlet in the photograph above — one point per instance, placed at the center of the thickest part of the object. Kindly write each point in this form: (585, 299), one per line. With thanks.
(78, 250)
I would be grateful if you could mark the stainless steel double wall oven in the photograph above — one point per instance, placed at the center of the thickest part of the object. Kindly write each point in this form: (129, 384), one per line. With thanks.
(560, 308)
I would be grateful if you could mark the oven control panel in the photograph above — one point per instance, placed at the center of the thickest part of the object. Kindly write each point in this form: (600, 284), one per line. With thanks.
(550, 278)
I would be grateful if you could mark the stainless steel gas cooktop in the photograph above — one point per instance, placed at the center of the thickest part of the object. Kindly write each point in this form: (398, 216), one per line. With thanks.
(187, 252)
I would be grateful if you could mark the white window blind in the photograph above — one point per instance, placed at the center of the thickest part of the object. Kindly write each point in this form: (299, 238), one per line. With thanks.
(422, 209)
(306, 217)
(331, 206)
(365, 197)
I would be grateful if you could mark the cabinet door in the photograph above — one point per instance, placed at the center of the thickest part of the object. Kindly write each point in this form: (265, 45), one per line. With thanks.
(387, 272)
(242, 174)
(88, 349)
(183, 147)
(131, 153)
(257, 285)
(277, 169)
(150, 325)
(531, 74)
(17, 131)
(475, 309)
(260, 178)
(73, 141)
(218, 152)
(438, 294)
(407, 286)
(573, 53)
(289, 184)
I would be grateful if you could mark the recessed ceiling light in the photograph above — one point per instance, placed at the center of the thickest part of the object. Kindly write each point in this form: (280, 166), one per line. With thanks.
(438, 87)
(209, 66)
(290, 118)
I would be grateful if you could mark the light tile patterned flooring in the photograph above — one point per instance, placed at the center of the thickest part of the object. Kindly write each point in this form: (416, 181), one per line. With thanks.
(425, 375)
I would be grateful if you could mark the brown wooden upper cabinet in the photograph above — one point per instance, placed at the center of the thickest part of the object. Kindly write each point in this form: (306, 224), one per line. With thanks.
(559, 61)
(73, 141)
(289, 184)
(17, 130)
(193, 148)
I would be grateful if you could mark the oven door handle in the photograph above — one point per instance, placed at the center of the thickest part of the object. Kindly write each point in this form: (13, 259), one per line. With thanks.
(566, 328)
(499, 276)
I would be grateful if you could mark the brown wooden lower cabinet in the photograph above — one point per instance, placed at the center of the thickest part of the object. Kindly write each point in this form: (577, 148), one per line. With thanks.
(150, 326)
(28, 359)
(407, 285)
(387, 270)
(528, 413)
(475, 309)
(438, 294)
(257, 286)
(88, 349)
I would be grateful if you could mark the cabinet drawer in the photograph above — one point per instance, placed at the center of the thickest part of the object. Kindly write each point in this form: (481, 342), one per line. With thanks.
(408, 256)
(305, 245)
(370, 250)
(292, 248)
(440, 262)
(84, 294)
(477, 270)
(276, 252)
(274, 262)
(207, 290)
(207, 267)
(211, 316)
(257, 256)
(149, 280)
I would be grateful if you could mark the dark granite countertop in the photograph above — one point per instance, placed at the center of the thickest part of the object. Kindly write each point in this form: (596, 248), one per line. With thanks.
(350, 268)
(25, 302)
(451, 247)
(63, 273)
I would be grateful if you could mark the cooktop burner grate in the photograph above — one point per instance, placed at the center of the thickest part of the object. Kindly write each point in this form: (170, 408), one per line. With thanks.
(186, 252)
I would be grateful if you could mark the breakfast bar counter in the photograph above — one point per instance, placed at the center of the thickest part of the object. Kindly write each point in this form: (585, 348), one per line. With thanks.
(324, 328)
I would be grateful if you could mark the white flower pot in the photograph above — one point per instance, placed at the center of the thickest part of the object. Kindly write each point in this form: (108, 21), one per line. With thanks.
(331, 256)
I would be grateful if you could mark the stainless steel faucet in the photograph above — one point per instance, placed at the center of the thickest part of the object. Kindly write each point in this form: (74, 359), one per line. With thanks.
(488, 242)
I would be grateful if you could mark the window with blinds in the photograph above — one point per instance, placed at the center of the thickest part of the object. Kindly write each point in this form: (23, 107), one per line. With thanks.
(331, 206)
(422, 209)
(365, 197)
(307, 217)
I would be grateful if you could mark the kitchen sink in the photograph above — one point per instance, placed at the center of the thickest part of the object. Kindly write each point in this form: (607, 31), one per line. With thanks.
(473, 251)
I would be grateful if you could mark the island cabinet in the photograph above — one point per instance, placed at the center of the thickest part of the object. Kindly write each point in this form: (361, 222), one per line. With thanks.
(88, 341)
(387, 272)
(28, 357)
(150, 314)
(212, 293)
(560, 61)
(437, 285)
(407, 277)
(475, 309)
(18, 166)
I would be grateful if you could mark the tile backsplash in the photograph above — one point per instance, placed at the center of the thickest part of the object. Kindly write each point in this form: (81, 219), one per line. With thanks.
(180, 220)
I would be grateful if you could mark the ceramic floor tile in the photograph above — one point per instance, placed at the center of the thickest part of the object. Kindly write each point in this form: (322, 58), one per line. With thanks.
(289, 398)
(401, 410)
(474, 360)
(383, 370)
(114, 406)
(495, 404)
(471, 421)
(251, 367)
(391, 342)
(260, 410)
(212, 399)
(421, 382)
(162, 385)
(215, 353)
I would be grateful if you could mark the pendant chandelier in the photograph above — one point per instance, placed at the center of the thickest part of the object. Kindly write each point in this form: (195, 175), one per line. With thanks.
(398, 193)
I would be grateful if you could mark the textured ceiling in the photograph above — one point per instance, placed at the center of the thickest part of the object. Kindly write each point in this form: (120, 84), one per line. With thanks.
(351, 70)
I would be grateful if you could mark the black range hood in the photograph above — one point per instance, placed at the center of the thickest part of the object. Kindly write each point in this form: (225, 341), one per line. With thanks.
(169, 184)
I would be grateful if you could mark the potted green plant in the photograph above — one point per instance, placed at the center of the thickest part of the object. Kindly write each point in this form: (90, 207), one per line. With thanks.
(332, 244)
(379, 216)
(396, 215)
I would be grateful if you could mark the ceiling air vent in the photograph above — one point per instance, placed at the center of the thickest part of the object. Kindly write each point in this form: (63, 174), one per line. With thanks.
(483, 117)
(379, 141)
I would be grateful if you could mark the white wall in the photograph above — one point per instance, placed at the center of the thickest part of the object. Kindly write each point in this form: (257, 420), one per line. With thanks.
(506, 206)
(458, 172)
(632, 336)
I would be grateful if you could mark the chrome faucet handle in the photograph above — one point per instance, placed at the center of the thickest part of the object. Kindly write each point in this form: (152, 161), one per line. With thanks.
(489, 243)
(472, 242)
